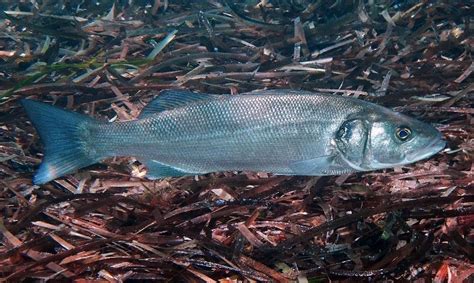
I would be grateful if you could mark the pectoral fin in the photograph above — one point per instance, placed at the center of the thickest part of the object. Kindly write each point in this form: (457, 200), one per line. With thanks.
(313, 166)
(157, 170)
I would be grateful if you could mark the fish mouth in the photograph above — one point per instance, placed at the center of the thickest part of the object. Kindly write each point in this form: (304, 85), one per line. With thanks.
(435, 146)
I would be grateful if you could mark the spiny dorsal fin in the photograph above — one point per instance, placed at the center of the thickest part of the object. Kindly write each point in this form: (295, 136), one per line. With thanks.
(171, 99)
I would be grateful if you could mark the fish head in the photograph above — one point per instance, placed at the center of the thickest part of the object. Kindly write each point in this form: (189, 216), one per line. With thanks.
(381, 138)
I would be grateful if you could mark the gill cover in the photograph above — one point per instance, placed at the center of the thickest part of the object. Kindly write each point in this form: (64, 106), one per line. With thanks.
(351, 142)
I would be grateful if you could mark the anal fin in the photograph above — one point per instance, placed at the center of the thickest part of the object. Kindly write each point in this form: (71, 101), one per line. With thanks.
(157, 170)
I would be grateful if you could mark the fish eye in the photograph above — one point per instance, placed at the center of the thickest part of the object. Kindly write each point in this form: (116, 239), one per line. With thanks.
(403, 133)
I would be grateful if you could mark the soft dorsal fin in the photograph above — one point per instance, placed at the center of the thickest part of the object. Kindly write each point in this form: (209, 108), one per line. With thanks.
(171, 99)
(280, 92)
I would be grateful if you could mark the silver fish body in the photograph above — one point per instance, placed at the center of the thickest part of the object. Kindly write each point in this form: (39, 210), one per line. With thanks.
(279, 131)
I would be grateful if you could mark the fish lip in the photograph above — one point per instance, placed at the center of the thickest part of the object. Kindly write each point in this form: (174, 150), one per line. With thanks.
(435, 146)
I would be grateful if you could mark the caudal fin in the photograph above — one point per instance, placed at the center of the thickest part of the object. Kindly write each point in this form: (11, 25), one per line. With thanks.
(66, 139)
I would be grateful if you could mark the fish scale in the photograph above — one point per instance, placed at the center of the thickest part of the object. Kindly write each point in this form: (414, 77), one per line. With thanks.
(252, 132)
(278, 131)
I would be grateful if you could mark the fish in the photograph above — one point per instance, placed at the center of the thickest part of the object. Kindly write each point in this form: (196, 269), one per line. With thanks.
(284, 132)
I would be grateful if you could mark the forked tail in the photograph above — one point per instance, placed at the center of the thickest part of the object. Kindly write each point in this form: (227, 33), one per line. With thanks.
(66, 137)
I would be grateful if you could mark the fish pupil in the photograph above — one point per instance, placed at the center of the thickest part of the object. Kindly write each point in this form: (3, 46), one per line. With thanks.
(403, 133)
